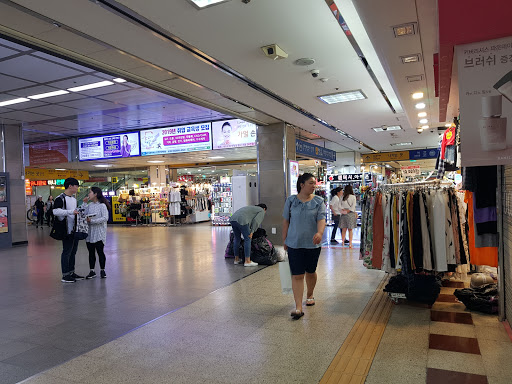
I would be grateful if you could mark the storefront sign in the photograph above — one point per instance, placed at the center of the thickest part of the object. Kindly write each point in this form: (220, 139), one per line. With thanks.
(56, 182)
(28, 188)
(233, 134)
(314, 151)
(38, 183)
(4, 220)
(346, 177)
(418, 154)
(186, 178)
(385, 156)
(294, 176)
(117, 216)
(52, 174)
(186, 138)
(485, 99)
(109, 147)
(48, 152)
(411, 171)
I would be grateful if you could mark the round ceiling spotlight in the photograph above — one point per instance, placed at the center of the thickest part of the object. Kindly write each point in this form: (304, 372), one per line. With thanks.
(305, 61)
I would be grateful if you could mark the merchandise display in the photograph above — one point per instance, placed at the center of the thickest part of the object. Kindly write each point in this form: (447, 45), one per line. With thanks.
(222, 200)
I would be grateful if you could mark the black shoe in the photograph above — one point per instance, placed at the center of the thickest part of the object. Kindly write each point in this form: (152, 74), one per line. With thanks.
(334, 242)
(103, 275)
(77, 277)
(68, 279)
(346, 242)
(91, 275)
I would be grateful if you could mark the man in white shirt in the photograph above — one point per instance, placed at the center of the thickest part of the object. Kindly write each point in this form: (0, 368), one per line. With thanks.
(65, 208)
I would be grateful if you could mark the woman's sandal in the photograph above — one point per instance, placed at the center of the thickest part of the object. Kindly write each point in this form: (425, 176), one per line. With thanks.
(310, 302)
(296, 315)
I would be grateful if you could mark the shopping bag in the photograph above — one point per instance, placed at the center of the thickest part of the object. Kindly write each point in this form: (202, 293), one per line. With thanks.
(286, 277)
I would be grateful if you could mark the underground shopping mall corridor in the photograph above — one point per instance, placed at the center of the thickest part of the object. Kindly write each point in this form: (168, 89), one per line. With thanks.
(173, 310)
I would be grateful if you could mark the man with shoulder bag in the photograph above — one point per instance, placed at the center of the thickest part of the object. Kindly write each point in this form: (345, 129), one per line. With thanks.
(65, 210)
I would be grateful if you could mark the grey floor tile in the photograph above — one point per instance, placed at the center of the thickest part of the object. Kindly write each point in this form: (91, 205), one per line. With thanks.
(40, 358)
(13, 348)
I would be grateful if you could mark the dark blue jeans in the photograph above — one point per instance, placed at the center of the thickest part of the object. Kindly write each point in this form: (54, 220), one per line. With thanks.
(238, 231)
(67, 259)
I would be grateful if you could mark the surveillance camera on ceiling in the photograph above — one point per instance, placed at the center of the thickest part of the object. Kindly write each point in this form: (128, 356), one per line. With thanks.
(274, 52)
(315, 73)
(384, 127)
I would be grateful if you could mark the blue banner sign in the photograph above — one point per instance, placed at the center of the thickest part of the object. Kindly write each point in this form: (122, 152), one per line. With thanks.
(418, 154)
(311, 150)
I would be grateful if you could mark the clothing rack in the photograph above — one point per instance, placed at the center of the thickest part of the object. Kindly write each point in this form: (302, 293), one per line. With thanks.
(418, 184)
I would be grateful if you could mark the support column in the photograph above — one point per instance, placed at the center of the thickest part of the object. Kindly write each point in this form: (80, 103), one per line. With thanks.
(173, 175)
(276, 145)
(12, 162)
(157, 176)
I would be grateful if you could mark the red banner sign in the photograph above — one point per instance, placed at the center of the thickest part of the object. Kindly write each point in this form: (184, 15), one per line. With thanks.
(48, 152)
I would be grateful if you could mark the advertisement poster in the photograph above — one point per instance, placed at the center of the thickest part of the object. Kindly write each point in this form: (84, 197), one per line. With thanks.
(109, 147)
(186, 138)
(485, 98)
(294, 176)
(411, 171)
(48, 152)
(233, 134)
(4, 222)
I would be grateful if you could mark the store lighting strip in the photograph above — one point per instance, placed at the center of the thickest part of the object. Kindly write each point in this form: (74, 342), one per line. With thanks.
(342, 97)
(400, 144)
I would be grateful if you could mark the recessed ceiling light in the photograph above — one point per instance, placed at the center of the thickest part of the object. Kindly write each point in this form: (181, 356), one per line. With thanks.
(217, 157)
(422, 114)
(91, 86)
(417, 95)
(155, 161)
(448, 125)
(388, 128)
(420, 105)
(423, 121)
(399, 144)
(410, 58)
(119, 80)
(425, 127)
(48, 94)
(13, 101)
(200, 4)
(102, 165)
(60, 169)
(342, 97)
(404, 29)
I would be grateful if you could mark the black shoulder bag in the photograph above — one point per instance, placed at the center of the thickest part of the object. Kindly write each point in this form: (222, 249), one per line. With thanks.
(60, 227)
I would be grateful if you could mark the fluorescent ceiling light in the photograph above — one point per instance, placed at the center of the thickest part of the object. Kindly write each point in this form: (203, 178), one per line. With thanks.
(200, 4)
(342, 97)
(425, 127)
(404, 29)
(399, 144)
(60, 169)
(420, 105)
(13, 101)
(102, 165)
(389, 128)
(410, 58)
(155, 161)
(91, 86)
(119, 80)
(417, 95)
(422, 114)
(217, 157)
(48, 94)
(423, 121)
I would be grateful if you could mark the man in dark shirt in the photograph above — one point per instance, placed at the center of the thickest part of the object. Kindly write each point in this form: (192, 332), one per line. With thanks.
(40, 211)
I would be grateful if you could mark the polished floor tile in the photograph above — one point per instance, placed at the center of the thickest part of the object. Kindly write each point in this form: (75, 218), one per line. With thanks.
(454, 344)
(451, 317)
(437, 376)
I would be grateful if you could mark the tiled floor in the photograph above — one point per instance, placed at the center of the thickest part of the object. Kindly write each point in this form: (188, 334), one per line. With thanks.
(173, 310)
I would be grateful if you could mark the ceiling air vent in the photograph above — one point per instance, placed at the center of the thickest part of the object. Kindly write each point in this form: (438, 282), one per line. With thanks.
(413, 78)
(305, 61)
(411, 58)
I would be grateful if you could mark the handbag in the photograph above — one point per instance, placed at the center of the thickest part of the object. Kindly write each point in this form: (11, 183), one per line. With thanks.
(60, 227)
(285, 274)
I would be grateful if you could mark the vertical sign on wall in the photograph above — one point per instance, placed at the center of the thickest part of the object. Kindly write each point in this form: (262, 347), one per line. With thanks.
(294, 176)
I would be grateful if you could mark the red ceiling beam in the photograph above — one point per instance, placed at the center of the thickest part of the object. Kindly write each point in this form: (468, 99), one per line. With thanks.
(464, 22)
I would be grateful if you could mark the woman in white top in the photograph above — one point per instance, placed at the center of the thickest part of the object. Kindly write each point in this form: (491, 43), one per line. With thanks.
(348, 219)
(334, 204)
(97, 217)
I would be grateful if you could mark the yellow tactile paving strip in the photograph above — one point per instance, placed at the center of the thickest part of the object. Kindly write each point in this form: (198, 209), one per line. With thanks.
(354, 359)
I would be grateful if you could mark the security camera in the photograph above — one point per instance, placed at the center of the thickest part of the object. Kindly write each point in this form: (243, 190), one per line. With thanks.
(315, 73)
(384, 127)
(419, 129)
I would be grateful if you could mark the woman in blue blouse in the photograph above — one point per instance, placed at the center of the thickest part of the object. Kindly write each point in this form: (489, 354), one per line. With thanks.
(303, 228)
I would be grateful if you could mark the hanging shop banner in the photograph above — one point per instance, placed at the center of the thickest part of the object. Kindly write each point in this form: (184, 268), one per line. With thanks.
(294, 176)
(419, 154)
(311, 150)
(52, 174)
(485, 99)
(346, 177)
(4, 220)
(233, 134)
(28, 188)
(48, 152)
(186, 138)
(411, 171)
(385, 156)
(109, 147)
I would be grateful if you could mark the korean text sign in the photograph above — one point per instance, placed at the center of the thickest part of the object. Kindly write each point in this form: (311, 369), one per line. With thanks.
(233, 134)
(109, 147)
(185, 138)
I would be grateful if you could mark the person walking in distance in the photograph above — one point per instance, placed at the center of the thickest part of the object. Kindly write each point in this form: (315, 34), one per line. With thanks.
(97, 217)
(245, 222)
(49, 211)
(39, 205)
(65, 208)
(334, 204)
(303, 228)
(348, 219)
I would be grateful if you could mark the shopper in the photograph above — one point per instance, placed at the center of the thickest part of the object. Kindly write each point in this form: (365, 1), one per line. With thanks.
(97, 217)
(245, 222)
(334, 204)
(39, 207)
(49, 211)
(303, 228)
(348, 219)
(64, 208)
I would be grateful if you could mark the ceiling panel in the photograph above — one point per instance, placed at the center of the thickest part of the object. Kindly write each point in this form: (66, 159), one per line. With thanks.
(21, 106)
(8, 82)
(90, 104)
(23, 116)
(66, 63)
(55, 110)
(6, 52)
(24, 66)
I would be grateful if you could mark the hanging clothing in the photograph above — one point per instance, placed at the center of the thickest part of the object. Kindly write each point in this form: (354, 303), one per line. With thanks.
(378, 232)
(448, 139)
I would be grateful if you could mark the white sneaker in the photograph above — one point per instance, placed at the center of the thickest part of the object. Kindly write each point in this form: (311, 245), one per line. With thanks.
(251, 264)
(238, 262)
